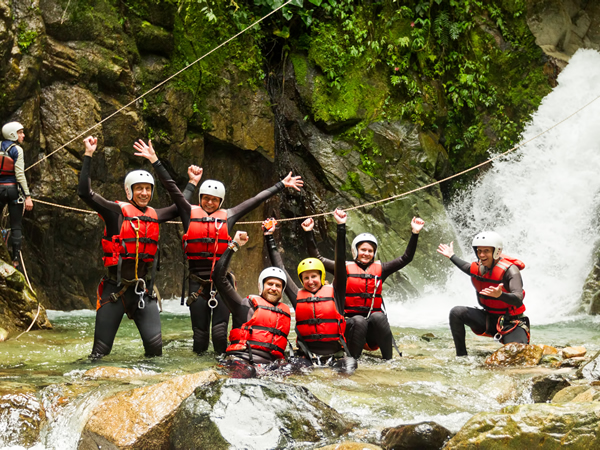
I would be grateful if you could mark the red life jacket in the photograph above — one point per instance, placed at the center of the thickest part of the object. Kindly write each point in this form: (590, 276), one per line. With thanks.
(267, 329)
(7, 163)
(207, 237)
(123, 245)
(317, 318)
(360, 288)
(492, 279)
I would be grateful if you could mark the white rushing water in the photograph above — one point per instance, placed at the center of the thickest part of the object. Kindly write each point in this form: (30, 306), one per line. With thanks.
(543, 199)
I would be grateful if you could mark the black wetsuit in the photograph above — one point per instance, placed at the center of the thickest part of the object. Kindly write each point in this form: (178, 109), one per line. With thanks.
(339, 286)
(109, 315)
(480, 321)
(374, 331)
(200, 269)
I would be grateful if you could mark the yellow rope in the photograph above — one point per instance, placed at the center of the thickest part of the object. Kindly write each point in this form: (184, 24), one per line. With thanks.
(156, 87)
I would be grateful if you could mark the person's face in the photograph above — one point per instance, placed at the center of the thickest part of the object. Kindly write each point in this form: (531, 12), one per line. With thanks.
(210, 203)
(485, 255)
(20, 136)
(142, 193)
(365, 252)
(311, 280)
(272, 290)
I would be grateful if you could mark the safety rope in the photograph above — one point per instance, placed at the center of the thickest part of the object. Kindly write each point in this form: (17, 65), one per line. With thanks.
(156, 87)
(30, 287)
(393, 197)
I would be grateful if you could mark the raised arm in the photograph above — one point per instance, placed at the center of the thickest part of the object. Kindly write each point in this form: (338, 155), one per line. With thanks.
(291, 289)
(313, 251)
(229, 295)
(340, 276)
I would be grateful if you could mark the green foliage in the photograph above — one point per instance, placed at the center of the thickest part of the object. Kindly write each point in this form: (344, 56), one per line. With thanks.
(353, 185)
(25, 37)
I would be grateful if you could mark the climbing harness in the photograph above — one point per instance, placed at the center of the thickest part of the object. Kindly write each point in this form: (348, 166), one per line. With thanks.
(503, 330)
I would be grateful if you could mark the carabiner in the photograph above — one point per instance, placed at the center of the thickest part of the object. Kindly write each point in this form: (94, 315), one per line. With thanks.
(212, 301)
(497, 337)
(140, 292)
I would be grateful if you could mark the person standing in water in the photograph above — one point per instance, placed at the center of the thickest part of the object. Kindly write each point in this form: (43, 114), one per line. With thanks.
(13, 183)
(319, 306)
(367, 323)
(499, 288)
(130, 246)
(206, 236)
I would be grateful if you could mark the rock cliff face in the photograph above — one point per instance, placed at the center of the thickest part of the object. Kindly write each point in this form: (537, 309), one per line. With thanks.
(247, 116)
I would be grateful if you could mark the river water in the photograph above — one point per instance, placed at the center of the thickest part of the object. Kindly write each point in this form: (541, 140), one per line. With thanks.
(543, 199)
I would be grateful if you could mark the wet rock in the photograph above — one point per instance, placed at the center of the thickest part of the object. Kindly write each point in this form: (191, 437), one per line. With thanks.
(591, 370)
(254, 414)
(573, 352)
(540, 425)
(571, 362)
(429, 337)
(21, 417)
(548, 349)
(113, 373)
(140, 418)
(346, 445)
(553, 360)
(420, 436)
(581, 393)
(514, 354)
(152, 38)
(544, 387)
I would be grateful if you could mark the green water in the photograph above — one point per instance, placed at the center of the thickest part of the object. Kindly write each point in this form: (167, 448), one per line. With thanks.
(427, 383)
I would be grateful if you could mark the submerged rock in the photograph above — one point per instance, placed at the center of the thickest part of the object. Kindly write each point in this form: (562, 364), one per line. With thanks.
(350, 446)
(21, 417)
(546, 386)
(514, 354)
(419, 436)
(569, 425)
(113, 372)
(140, 418)
(254, 414)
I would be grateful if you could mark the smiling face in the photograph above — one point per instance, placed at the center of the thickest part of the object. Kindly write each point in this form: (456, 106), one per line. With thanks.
(485, 255)
(209, 203)
(142, 193)
(311, 280)
(272, 290)
(365, 252)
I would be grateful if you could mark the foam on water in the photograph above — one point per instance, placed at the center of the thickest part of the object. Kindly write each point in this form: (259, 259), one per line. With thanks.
(543, 199)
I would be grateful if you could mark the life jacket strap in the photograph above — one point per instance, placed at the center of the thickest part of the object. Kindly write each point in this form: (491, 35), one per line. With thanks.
(315, 299)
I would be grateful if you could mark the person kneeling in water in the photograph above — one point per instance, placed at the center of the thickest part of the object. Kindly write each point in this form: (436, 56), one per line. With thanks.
(499, 287)
(261, 323)
(319, 306)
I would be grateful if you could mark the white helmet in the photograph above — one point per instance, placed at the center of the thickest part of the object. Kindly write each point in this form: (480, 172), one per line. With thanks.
(9, 131)
(135, 177)
(488, 239)
(270, 272)
(363, 237)
(214, 188)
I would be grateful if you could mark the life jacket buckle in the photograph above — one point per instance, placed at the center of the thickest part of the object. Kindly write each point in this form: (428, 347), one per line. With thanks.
(212, 301)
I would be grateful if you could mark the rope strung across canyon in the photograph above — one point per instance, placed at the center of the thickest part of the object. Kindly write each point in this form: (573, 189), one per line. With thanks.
(393, 197)
(156, 87)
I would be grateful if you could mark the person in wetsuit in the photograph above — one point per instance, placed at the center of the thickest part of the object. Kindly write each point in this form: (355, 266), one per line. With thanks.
(367, 323)
(206, 236)
(13, 183)
(319, 306)
(130, 246)
(260, 323)
(499, 287)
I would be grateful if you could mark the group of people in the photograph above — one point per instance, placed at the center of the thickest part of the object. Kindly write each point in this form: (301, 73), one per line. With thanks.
(334, 322)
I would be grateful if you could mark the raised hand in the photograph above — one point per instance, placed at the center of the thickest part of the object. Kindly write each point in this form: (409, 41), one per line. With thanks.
(446, 250)
(293, 182)
(269, 226)
(241, 237)
(417, 224)
(492, 291)
(90, 145)
(145, 151)
(195, 174)
(308, 224)
(340, 216)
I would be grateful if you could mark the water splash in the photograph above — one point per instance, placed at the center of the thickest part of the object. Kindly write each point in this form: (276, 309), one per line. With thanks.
(543, 199)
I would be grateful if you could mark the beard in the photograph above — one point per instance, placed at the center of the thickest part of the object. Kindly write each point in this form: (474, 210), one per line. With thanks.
(271, 298)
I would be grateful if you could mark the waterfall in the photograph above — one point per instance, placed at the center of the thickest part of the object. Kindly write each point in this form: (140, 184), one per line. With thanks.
(543, 199)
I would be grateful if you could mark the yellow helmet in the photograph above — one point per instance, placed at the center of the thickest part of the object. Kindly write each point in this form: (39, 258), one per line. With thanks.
(311, 264)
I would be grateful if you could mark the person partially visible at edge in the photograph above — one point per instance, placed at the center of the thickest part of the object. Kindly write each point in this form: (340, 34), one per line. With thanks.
(499, 287)
(206, 236)
(130, 245)
(367, 323)
(13, 184)
(260, 323)
(319, 306)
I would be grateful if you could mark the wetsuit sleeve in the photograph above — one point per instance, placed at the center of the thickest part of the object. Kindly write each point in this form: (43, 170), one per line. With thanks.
(462, 265)
(182, 207)
(390, 267)
(291, 290)
(514, 284)
(108, 210)
(313, 251)
(340, 275)
(233, 300)
(188, 192)
(236, 213)
(20, 171)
